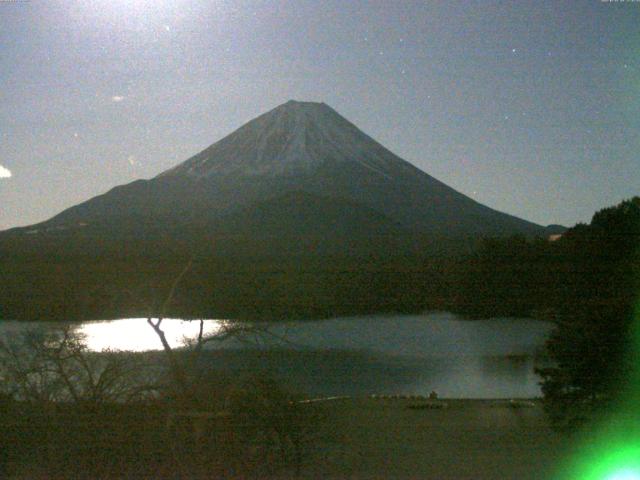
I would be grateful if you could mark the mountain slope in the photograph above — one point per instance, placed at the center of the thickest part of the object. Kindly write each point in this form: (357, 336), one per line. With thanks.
(298, 146)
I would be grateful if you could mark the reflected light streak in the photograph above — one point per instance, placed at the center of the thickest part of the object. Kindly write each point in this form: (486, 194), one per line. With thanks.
(136, 335)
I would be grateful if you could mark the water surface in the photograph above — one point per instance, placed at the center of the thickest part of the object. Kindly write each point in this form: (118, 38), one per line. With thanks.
(383, 354)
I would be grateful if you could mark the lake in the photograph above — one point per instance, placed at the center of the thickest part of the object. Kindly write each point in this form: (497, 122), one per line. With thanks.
(381, 354)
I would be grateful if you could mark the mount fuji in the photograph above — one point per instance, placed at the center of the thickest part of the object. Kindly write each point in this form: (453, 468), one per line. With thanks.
(300, 153)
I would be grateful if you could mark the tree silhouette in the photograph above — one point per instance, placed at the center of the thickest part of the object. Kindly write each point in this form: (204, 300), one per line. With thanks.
(592, 345)
(53, 364)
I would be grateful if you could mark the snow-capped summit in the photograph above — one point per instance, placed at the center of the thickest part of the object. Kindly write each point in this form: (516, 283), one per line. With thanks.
(291, 139)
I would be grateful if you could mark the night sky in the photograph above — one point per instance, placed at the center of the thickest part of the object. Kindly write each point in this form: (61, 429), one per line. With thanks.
(532, 108)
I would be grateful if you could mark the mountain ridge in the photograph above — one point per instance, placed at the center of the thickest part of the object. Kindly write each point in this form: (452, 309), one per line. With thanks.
(298, 146)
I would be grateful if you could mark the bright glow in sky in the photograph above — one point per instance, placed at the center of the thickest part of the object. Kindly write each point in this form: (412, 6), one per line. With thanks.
(5, 172)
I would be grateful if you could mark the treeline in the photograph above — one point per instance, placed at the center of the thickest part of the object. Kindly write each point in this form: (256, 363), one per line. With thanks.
(64, 278)
(264, 289)
(82, 279)
(588, 267)
(95, 274)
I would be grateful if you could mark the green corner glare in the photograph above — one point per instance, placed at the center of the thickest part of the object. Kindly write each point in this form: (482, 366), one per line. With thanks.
(625, 474)
(615, 461)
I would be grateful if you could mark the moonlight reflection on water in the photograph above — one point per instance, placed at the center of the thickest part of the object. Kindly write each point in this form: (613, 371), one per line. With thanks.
(136, 335)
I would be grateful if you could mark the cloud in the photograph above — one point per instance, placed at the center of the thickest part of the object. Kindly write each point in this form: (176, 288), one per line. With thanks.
(5, 172)
(117, 98)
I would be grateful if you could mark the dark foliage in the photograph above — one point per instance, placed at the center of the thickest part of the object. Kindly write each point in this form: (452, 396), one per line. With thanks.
(97, 277)
(593, 344)
(512, 276)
